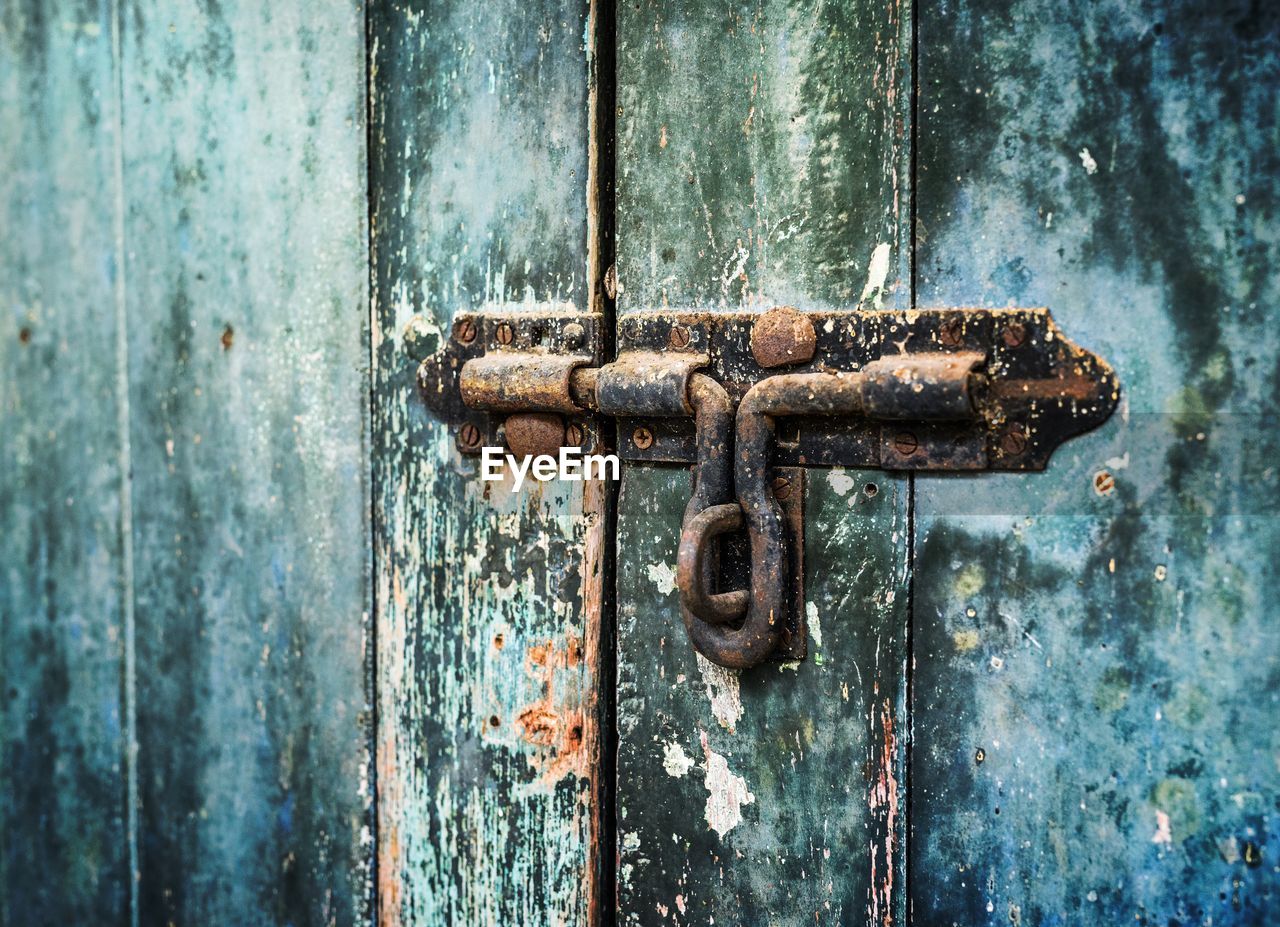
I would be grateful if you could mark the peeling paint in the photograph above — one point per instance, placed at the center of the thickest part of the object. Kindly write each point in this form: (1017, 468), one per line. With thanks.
(662, 575)
(726, 792)
(675, 761)
(723, 692)
(877, 273)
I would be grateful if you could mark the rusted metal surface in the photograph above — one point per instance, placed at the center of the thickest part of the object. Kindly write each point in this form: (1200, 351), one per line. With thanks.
(782, 336)
(532, 434)
(697, 569)
(1052, 389)
(512, 382)
(921, 387)
(933, 381)
(654, 384)
(1006, 370)
(699, 560)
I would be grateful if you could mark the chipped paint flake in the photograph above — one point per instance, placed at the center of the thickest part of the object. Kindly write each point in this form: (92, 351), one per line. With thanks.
(815, 631)
(840, 481)
(663, 576)
(723, 692)
(726, 792)
(675, 761)
(877, 273)
(1163, 834)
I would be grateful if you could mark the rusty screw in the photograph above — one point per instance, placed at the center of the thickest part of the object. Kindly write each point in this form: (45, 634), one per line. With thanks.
(951, 332)
(505, 333)
(781, 487)
(642, 438)
(679, 336)
(465, 330)
(906, 443)
(574, 335)
(469, 437)
(1014, 440)
(1104, 484)
(1014, 334)
(573, 435)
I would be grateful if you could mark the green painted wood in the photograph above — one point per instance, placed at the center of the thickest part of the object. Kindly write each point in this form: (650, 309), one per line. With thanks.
(1096, 664)
(488, 601)
(244, 228)
(63, 582)
(766, 797)
(762, 160)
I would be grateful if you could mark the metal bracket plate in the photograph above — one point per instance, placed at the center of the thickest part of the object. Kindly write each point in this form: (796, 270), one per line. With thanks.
(1043, 389)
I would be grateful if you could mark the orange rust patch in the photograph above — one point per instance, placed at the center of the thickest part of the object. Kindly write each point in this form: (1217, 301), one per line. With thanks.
(390, 857)
(554, 723)
(883, 801)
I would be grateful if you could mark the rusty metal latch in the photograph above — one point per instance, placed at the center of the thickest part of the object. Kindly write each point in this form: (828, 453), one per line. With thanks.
(927, 390)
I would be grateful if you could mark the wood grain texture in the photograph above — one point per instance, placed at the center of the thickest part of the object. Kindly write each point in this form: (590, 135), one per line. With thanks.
(247, 294)
(763, 159)
(488, 601)
(1095, 737)
(63, 585)
(762, 152)
(767, 796)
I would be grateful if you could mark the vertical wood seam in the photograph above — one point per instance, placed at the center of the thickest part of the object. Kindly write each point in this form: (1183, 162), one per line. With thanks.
(601, 223)
(372, 895)
(129, 681)
(913, 130)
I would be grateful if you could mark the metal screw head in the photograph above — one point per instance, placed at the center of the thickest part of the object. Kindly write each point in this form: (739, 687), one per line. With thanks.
(906, 443)
(1014, 440)
(1104, 484)
(469, 437)
(574, 335)
(679, 336)
(781, 487)
(642, 438)
(573, 435)
(951, 332)
(421, 337)
(505, 333)
(465, 330)
(1014, 334)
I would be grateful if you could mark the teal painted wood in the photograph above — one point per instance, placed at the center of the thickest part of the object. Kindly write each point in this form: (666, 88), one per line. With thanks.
(63, 831)
(763, 159)
(1097, 646)
(763, 155)
(247, 294)
(488, 601)
(766, 797)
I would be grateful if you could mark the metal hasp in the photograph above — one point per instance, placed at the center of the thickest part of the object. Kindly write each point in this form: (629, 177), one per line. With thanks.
(926, 390)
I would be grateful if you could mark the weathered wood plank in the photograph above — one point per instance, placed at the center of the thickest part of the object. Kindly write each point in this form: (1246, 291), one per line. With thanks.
(763, 159)
(765, 797)
(63, 582)
(1098, 645)
(488, 601)
(245, 231)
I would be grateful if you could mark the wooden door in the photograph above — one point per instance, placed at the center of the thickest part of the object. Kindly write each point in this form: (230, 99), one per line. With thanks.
(272, 653)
